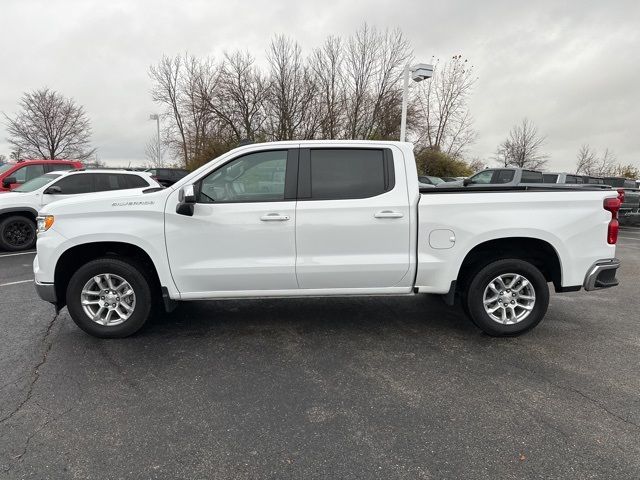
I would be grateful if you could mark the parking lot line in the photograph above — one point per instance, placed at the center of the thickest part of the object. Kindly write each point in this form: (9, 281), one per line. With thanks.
(16, 254)
(15, 283)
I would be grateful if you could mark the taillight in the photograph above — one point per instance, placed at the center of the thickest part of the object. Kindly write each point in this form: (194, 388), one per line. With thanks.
(612, 205)
(621, 195)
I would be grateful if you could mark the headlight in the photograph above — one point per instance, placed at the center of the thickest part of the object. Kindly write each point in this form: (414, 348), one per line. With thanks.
(45, 223)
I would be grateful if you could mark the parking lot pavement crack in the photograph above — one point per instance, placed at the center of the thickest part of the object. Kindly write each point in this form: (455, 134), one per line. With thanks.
(25, 447)
(35, 373)
(592, 401)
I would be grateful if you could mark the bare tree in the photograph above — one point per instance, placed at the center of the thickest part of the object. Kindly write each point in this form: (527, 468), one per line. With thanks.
(292, 92)
(590, 163)
(166, 91)
(327, 66)
(50, 126)
(155, 152)
(523, 146)
(240, 96)
(445, 123)
(607, 164)
(586, 161)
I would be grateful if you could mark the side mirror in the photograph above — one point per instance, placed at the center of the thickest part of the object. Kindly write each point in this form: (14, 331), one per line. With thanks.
(7, 182)
(186, 201)
(187, 194)
(467, 181)
(53, 190)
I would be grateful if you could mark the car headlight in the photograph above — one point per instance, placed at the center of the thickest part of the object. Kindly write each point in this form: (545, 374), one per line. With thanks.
(45, 223)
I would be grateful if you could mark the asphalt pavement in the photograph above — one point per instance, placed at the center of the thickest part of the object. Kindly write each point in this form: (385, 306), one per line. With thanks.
(323, 388)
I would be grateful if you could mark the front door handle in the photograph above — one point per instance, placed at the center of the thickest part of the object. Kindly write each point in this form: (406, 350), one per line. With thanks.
(274, 217)
(388, 214)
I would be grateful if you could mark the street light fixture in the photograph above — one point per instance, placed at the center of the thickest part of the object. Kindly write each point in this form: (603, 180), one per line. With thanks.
(156, 117)
(418, 72)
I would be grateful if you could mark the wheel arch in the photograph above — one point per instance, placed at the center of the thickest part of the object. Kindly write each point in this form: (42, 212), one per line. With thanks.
(27, 212)
(539, 252)
(78, 255)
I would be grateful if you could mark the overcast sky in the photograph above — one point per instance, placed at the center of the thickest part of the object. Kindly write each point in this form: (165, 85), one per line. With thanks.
(572, 67)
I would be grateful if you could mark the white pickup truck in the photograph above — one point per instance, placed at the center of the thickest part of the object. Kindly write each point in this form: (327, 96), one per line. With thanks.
(322, 218)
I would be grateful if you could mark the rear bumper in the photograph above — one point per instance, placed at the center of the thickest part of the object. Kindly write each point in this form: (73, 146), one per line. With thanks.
(47, 292)
(602, 274)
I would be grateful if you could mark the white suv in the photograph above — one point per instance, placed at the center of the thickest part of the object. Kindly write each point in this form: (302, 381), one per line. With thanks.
(19, 208)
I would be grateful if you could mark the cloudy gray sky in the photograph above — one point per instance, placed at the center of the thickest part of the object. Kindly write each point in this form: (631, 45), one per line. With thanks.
(573, 67)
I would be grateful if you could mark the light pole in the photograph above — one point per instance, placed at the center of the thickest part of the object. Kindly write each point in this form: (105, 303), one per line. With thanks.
(156, 117)
(418, 72)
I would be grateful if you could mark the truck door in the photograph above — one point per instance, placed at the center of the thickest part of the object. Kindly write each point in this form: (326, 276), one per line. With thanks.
(352, 219)
(241, 237)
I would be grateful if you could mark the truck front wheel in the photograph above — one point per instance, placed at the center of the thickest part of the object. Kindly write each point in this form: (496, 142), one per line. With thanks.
(507, 297)
(109, 298)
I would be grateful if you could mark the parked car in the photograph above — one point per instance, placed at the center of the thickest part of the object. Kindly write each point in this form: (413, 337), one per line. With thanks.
(167, 176)
(19, 208)
(12, 175)
(322, 218)
(498, 176)
(629, 195)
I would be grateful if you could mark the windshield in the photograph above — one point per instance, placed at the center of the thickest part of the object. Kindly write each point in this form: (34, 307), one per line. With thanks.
(36, 183)
(435, 180)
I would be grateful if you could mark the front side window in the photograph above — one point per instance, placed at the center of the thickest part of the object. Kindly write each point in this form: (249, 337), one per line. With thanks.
(482, 178)
(28, 172)
(256, 177)
(74, 184)
(348, 173)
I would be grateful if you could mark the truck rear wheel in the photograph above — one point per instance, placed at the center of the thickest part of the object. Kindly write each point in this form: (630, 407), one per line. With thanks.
(109, 298)
(17, 233)
(507, 297)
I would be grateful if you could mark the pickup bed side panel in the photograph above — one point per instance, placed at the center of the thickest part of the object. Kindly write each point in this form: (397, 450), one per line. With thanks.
(452, 224)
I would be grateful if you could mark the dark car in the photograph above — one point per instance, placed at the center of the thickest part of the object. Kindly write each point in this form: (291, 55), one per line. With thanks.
(498, 176)
(168, 176)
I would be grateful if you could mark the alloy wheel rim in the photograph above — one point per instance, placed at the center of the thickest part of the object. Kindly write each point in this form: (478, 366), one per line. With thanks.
(509, 298)
(108, 299)
(18, 233)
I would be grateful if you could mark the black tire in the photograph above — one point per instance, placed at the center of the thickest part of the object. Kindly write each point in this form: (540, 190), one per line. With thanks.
(17, 233)
(474, 297)
(130, 271)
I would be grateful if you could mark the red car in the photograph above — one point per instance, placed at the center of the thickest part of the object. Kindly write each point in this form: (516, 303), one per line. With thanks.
(13, 175)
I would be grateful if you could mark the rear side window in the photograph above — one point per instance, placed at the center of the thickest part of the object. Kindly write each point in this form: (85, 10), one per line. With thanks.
(531, 177)
(134, 181)
(504, 176)
(338, 174)
(117, 181)
(572, 179)
(549, 178)
(56, 167)
(74, 184)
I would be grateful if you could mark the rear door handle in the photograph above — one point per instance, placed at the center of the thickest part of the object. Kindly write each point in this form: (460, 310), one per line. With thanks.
(274, 217)
(388, 214)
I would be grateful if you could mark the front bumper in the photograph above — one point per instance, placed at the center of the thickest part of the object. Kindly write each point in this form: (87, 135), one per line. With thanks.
(602, 274)
(46, 291)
